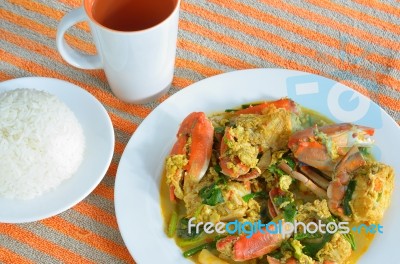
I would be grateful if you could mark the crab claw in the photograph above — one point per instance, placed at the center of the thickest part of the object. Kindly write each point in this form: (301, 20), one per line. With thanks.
(190, 156)
(337, 187)
(241, 248)
(322, 147)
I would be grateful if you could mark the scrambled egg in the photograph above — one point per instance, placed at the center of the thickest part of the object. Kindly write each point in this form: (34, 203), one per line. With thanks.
(253, 133)
(311, 211)
(371, 197)
(174, 172)
(336, 250)
(233, 207)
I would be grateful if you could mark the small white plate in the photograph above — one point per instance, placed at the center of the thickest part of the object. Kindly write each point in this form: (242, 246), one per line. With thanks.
(99, 136)
(137, 187)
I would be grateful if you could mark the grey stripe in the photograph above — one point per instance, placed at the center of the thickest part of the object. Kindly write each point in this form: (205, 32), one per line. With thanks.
(53, 65)
(25, 250)
(57, 5)
(44, 20)
(308, 24)
(370, 11)
(293, 37)
(124, 115)
(71, 72)
(189, 74)
(69, 243)
(121, 136)
(394, 3)
(13, 71)
(100, 202)
(92, 225)
(345, 19)
(190, 55)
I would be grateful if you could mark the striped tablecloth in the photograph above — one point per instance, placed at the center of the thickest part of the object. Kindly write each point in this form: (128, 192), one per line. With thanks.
(355, 42)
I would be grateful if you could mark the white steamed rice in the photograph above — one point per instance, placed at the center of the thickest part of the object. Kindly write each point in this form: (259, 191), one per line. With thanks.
(41, 143)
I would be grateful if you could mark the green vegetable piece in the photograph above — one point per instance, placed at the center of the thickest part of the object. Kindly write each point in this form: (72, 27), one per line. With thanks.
(290, 162)
(276, 254)
(219, 130)
(365, 152)
(173, 223)
(347, 197)
(278, 200)
(217, 168)
(211, 195)
(311, 248)
(249, 196)
(275, 170)
(230, 110)
(195, 250)
(289, 212)
(350, 238)
(191, 242)
(183, 232)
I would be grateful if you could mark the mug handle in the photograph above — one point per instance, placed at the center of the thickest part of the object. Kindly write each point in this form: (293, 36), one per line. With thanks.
(73, 57)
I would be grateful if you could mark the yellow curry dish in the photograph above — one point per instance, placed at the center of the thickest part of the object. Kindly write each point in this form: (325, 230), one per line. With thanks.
(273, 182)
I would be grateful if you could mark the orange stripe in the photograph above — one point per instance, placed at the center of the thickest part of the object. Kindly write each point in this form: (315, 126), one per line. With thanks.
(43, 245)
(279, 41)
(387, 26)
(42, 50)
(181, 82)
(104, 191)
(72, 3)
(46, 30)
(4, 76)
(119, 147)
(9, 257)
(45, 10)
(323, 21)
(96, 214)
(123, 124)
(214, 55)
(112, 170)
(310, 34)
(389, 102)
(104, 97)
(88, 237)
(380, 6)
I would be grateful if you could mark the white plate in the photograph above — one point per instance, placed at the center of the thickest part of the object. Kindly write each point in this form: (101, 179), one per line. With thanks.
(137, 197)
(99, 134)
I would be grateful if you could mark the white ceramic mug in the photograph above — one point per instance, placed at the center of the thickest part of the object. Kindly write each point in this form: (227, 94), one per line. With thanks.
(139, 65)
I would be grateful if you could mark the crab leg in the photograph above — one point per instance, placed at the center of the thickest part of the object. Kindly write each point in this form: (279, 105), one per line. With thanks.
(190, 155)
(314, 176)
(298, 176)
